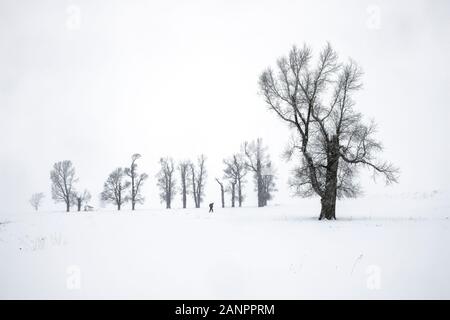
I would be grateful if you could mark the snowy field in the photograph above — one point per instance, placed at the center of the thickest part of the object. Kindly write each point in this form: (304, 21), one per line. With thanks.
(375, 250)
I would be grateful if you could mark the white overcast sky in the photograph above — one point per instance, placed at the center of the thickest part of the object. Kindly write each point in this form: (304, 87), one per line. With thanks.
(179, 78)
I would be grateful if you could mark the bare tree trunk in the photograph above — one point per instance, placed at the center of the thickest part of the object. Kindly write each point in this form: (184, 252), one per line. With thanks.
(239, 192)
(67, 206)
(184, 194)
(118, 207)
(198, 199)
(222, 192)
(328, 200)
(194, 188)
(233, 194)
(79, 204)
(260, 190)
(168, 196)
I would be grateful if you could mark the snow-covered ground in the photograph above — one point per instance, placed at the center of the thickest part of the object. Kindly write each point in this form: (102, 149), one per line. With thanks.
(385, 247)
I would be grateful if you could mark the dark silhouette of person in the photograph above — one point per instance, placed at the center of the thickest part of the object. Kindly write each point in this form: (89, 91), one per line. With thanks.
(211, 207)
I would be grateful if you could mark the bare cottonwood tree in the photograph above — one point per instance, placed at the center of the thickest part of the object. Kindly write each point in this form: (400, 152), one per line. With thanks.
(257, 161)
(166, 181)
(183, 167)
(222, 192)
(36, 200)
(63, 180)
(137, 180)
(235, 170)
(315, 99)
(115, 187)
(198, 180)
(80, 198)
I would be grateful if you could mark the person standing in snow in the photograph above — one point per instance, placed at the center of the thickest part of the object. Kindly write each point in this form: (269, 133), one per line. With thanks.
(211, 207)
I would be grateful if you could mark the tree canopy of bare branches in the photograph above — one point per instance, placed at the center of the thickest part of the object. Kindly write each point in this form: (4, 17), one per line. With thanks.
(63, 180)
(166, 181)
(137, 180)
(36, 200)
(198, 179)
(258, 161)
(315, 98)
(115, 187)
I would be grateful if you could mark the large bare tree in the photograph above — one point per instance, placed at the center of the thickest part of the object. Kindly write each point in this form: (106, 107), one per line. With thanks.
(63, 179)
(235, 170)
(183, 167)
(258, 161)
(115, 187)
(36, 200)
(166, 180)
(137, 180)
(315, 98)
(198, 180)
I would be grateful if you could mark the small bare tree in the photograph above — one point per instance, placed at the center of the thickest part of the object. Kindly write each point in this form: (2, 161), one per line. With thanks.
(222, 192)
(115, 187)
(81, 198)
(235, 170)
(198, 179)
(166, 181)
(315, 99)
(257, 161)
(183, 167)
(137, 180)
(36, 200)
(63, 180)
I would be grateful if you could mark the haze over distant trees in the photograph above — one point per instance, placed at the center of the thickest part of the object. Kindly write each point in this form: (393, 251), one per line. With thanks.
(257, 160)
(36, 200)
(315, 99)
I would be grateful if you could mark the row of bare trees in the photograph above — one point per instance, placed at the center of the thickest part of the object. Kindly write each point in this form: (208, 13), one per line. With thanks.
(115, 189)
(252, 158)
(125, 184)
(192, 180)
